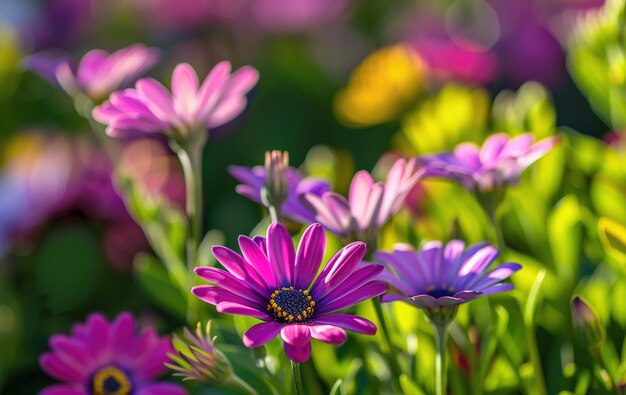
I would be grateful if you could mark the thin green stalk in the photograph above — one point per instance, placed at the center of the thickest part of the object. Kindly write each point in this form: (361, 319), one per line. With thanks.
(441, 373)
(598, 353)
(392, 357)
(236, 381)
(297, 379)
(274, 217)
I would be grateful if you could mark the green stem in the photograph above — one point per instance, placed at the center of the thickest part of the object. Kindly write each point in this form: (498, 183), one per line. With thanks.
(441, 373)
(274, 217)
(297, 379)
(598, 354)
(236, 381)
(535, 359)
(392, 356)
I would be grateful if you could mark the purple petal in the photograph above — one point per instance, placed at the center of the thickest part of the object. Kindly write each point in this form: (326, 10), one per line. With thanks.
(238, 266)
(60, 370)
(161, 389)
(242, 309)
(494, 289)
(158, 100)
(215, 295)
(468, 155)
(231, 283)
(121, 332)
(339, 268)
(309, 256)
(360, 189)
(347, 321)
(328, 334)
(262, 333)
(359, 277)
(367, 291)
(255, 255)
(500, 273)
(297, 340)
(492, 147)
(184, 91)
(281, 254)
(61, 389)
(211, 91)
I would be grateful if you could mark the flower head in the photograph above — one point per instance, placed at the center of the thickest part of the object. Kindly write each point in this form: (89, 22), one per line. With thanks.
(254, 180)
(276, 189)
(499, 162)
(588, 327)
(99, 73)
(369, 204)
(198, 359)
(102, 358)
(440, 277)
(278, 285)
(191, 107)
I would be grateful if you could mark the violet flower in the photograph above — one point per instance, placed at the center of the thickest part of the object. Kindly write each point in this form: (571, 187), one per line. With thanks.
(253, 180)
(108, 358)
(499, 162)
(150, 109)
(99, 73)
(369, 204)
(438, 277)
(273, 283)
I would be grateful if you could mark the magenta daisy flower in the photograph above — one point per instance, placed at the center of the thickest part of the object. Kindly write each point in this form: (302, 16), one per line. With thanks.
(190, 108)
(100, 73)
(438, 277)
(102, 358)
(499, 162)
(369, 204)
(253, 180)
(279, 286)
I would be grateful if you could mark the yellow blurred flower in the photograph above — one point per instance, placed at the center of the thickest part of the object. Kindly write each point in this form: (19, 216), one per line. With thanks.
(381, 87)
(455, 114)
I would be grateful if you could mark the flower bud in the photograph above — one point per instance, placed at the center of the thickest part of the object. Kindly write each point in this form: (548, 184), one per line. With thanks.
(198, 359)
(588, 328)
(276, 190)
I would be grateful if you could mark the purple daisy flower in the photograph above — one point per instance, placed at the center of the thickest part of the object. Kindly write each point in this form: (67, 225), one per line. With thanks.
(438, 276)
(279, 286)
(108, 358)
(499, 162)
(100, 73)
(254, 179)
(151, 109)
(369, 205)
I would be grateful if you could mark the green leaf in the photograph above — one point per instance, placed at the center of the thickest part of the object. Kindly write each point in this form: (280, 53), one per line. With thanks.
(565, 233)
(154, 280)
(613, 237)
(409, 387)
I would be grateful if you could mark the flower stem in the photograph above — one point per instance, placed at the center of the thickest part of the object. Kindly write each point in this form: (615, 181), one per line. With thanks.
(393, 362)
(274, 217)
(297, 379)
(236, 381)
(441, 373)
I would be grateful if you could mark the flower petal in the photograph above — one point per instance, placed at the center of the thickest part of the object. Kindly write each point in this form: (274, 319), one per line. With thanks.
(281, 254)
(328, 334)
(309, 256)
(367, 291)
(338, 269)
(347, 321)
(262, 333)
(297, 340)
(161, 389)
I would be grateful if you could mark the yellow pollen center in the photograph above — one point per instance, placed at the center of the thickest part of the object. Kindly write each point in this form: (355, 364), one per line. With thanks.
(111, 381)
(291, 305)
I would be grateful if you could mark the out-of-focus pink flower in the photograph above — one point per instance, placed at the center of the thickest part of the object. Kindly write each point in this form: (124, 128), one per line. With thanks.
(294, 15)
(150, 109)
(99, 73)
(369, 205)
(499, 162)
(102, 357)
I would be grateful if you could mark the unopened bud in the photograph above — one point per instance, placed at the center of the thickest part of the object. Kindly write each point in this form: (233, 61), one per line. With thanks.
(198, 359)
(276, 189)
(588, 327)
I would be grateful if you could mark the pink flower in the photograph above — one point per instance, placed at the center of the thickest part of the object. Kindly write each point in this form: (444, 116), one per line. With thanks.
(190, 108)
(369, 204)
(104, 358)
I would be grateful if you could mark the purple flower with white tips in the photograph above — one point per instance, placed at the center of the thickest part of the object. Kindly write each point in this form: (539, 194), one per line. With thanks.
(272, 282)
(369, 204)
(443, 276)
(99, 73)
(150, 109)
(102, 358)
(499, 162)
(254, 179)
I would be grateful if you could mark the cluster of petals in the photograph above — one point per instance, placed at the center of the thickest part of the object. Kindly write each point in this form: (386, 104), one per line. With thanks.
(150, 109)
(103, 357)
(99, 73)
(269, 267)
(499, 162)
(254, 179)
(369, 204)
(439, 276)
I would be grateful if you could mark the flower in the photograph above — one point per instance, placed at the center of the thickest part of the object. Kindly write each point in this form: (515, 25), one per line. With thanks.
(102, 358)
(274, 284)
(198, 359)
(381, 87)
(439, 278)
(276, 189)
(100, 73)
(369, 205)
(499, 162)
(254, 180)
(588, 327)
(151, 109)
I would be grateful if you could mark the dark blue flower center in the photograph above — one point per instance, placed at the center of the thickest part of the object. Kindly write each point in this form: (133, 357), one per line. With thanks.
(439, 292)
(110, 381)
(291, 305)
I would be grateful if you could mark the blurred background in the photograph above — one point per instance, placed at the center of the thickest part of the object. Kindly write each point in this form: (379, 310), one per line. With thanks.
(342, 83)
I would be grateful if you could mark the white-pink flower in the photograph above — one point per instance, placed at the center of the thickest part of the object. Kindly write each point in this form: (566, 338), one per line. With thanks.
(189, 108)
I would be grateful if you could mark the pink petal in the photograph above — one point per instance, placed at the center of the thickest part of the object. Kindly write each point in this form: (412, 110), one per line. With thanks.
(360, 189)
(281, 253)
(184, 91)
(309, 256)
(211, 91)
(347, 321)
(258, 259)
(367, 291)
(161, 389)
(339, 268)
(158, 100)
(298, 354)
(492, 148)
(61, 389)
(60, 370)
(230, 283)
(297, 340)
(242, 309)
(328, 334)
(262, 333)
